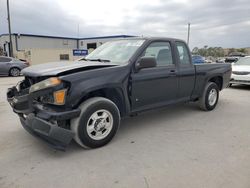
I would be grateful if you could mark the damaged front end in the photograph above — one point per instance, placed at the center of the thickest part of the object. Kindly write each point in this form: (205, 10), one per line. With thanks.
(41, 106)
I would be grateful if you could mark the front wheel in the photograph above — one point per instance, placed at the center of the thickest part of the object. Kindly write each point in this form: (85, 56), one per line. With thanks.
(210, 97)
(14, 72)
(97, 124)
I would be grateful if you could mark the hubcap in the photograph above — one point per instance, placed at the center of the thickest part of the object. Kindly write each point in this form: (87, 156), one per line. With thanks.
(212, 97)
(99, 124)
(14, 72)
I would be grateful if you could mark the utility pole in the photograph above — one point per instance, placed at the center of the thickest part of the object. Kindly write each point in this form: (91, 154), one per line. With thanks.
(188, 33)
(10, 44)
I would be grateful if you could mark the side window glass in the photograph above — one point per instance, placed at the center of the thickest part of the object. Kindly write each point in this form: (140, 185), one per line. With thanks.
(161, 51)
(5, 59)
(183, 53)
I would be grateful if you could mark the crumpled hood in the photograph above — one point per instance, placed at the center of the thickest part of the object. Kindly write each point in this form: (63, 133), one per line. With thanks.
(62, 67)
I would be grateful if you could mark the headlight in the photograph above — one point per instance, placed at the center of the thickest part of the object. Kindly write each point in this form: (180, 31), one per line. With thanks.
(57, 97)
(51, 82)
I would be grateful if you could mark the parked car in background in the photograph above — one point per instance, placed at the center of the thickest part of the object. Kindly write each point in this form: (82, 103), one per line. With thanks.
(241, 71)
(231, 59)
(220, 60)
(210, 59)
(11, 66)
(237, 54)
(197, 59)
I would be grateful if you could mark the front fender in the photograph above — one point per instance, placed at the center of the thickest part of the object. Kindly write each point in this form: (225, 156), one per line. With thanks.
(84, 83)
(116, 93)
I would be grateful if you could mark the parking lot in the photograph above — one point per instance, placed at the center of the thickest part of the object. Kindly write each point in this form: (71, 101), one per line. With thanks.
(179, 146)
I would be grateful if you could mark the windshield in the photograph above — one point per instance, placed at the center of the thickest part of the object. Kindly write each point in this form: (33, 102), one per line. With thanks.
(243, 61)
(115, 51)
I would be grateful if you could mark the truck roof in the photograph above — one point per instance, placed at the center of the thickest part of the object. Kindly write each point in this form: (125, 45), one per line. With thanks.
(152, 38)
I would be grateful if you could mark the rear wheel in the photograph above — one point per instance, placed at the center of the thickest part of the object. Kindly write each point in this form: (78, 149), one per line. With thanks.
(210, 97)
(14, 72)
(97, 124)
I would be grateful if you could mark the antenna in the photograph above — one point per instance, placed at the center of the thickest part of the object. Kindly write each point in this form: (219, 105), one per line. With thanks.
(188, 34)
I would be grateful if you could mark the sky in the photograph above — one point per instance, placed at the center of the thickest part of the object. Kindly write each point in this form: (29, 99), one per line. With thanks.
(213, 22)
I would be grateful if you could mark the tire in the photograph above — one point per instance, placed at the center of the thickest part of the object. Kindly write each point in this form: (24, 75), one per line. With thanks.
(210, 97)
(14, 72)
(230, 85)
(97, 124)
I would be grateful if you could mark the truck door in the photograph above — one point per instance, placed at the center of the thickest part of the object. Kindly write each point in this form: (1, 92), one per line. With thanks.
(186, 71)
(158, 85)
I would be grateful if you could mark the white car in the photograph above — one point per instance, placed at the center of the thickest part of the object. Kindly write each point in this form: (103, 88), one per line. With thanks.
(241, 71)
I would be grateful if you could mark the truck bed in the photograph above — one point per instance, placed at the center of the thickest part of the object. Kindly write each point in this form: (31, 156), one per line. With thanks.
(206, 71)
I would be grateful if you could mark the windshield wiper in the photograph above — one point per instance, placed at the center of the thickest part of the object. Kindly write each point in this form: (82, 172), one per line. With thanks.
(100, 60)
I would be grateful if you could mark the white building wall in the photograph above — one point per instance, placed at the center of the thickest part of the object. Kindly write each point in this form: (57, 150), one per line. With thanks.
(38, 56)
(27, 42)
(22, 42)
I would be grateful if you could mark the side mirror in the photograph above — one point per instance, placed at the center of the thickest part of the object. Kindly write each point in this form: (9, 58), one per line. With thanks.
(145, 62)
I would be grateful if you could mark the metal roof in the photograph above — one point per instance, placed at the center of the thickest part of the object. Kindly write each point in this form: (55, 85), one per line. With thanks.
(70, 38)
(42, 36)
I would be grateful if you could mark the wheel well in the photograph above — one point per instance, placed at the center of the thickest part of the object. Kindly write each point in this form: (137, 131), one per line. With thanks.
(113, 94)
(218, 80)
(13, 68)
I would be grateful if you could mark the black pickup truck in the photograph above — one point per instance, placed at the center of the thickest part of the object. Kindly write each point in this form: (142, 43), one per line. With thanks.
(86, 99)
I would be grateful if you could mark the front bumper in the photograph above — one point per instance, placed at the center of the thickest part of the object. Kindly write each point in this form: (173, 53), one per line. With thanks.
(56, 137)
(243, 82)
(41, 121)
(240, 79)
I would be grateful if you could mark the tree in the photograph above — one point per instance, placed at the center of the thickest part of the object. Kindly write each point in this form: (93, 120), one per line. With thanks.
(231, 50)
(242, 50)
(220, 52)
(209, 51)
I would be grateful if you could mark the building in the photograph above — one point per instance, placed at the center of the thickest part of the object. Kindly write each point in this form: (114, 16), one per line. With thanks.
(39, 48)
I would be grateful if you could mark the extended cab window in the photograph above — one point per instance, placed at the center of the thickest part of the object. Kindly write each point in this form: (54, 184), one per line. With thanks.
(161, 51)
(183, 53)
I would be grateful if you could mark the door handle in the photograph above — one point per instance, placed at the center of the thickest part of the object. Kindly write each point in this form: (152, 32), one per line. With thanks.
(172, 72)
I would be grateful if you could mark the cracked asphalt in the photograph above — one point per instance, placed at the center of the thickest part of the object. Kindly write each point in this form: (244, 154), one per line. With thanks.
(178, 146)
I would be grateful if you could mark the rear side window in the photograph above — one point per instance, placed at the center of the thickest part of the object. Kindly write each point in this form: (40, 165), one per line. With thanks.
(161, 51)
(183, 53)
(5, 59)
